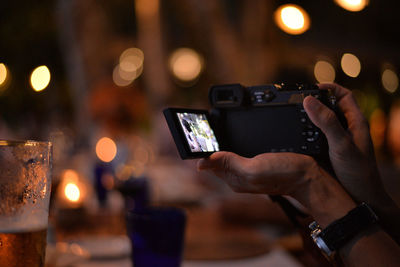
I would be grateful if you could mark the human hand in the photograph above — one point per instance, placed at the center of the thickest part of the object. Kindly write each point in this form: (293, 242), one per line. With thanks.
(296, 175)
(350, 151)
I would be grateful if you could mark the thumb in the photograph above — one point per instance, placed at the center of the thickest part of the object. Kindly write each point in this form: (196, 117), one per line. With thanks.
(325, 119)
(216, 161)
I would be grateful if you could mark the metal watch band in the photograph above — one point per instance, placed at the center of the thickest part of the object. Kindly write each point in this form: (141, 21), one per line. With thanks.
(342, 230)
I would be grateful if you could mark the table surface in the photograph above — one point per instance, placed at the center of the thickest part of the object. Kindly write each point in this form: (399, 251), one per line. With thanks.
(210, 241)
(274, 258)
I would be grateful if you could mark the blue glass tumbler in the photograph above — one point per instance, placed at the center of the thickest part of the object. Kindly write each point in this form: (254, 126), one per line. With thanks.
(157, 236)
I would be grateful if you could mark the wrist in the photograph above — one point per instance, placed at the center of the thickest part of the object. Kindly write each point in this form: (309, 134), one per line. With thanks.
(338, 234)
(324, 197)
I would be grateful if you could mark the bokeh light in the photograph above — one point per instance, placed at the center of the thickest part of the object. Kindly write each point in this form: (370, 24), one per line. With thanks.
(390, 80)
(106, 149)
(351, 65)
(40, 78)
(72, 192)
(3, 74)
(72, 188)
(186, 64)
(130, 67)
(324, 72)
(393, 131)
(352, 5)
(147, 7)
(377, 123)
(131, 59)
(292, 19)
(117, 78)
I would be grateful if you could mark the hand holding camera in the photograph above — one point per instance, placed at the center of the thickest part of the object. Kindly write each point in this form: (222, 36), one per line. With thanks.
(330, 203)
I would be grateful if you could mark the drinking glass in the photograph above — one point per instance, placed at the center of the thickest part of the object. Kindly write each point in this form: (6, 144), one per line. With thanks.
(157, 236)
(25, 183)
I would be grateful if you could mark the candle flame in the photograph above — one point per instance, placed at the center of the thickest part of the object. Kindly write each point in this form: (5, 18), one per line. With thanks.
(72, 192)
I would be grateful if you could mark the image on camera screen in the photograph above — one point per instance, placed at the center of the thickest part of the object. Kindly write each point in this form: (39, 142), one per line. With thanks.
(199, 135)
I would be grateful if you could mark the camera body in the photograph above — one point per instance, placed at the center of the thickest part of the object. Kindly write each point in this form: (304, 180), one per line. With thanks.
(251, 121)
(268, 118)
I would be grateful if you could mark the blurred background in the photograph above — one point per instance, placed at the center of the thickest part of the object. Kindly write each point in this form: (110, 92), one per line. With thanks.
(94, 76)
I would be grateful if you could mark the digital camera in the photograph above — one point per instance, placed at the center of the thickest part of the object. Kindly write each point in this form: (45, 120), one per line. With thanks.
(252, 120)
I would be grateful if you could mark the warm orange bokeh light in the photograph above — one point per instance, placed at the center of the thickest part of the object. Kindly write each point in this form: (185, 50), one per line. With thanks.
(186, 64)
(377, 127)
(130, 67)
(292, 19)
(351, 65)
(352, 5)
(106, 149)
(390, 80)
(40, 78)
(72, 192)
(324, 72)
(3, 74)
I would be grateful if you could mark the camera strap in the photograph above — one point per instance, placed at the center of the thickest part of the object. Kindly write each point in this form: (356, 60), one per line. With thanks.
(290, 210)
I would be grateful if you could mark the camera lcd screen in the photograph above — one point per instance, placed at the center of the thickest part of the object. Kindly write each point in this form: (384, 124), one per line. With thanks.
(198, 133)
(192, 132)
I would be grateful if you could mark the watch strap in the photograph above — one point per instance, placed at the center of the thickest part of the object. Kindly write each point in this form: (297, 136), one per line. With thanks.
(342, 230)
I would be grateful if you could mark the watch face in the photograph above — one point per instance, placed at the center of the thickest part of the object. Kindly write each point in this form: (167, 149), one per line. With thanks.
(323, 247)
(339, 232)
(315, 235)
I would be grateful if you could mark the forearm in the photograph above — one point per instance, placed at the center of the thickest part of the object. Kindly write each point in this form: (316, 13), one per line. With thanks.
(324, 197)
(327, 201)
(372, 247)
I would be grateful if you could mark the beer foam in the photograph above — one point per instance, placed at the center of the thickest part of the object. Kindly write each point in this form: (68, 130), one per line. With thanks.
(24, 222)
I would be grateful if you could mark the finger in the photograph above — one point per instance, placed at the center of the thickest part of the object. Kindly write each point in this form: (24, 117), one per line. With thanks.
(230, 167)
(338, 90)
(346, 102)
(357, 123)
(325, 119)
(221, 161)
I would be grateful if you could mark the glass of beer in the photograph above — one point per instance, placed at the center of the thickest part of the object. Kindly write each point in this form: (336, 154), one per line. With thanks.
(25, 181)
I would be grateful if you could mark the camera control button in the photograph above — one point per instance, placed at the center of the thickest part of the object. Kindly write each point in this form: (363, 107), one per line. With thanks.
(304, 147)
(310, 133)
(311, 139)
(303, 120)
(310, 126)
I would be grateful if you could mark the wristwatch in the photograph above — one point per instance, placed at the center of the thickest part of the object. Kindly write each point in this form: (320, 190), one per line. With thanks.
(339, 232)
